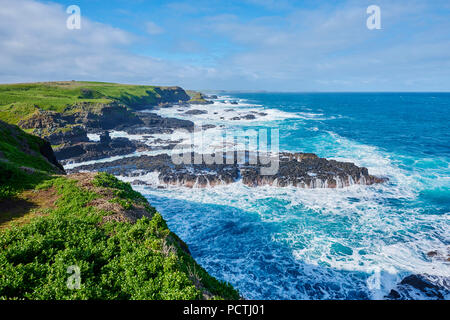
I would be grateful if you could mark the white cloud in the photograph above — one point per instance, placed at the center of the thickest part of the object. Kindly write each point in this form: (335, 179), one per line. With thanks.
(324, 48)
(152, 28)
(331, 45)
(35, 45)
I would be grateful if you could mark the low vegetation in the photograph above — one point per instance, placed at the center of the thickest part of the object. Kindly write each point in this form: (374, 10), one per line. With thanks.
(117, 260)
(52, 226)
(21, 163)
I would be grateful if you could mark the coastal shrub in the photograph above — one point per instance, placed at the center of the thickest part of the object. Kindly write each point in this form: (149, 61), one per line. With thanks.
(125, 195)
(117, 260)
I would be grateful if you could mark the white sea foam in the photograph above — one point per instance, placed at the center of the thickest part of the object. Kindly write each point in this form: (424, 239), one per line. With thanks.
(355, 229)
(150, 178)
(93, 137)
(374, 223)
(223, 113)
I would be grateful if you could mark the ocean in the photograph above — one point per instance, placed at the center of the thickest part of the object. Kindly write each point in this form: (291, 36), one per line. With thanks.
(356, 242)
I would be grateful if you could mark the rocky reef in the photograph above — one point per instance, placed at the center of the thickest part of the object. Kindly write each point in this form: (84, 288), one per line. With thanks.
(151, 123)
(106, 147)
(421, 285)
(304, 170)
(67, 132)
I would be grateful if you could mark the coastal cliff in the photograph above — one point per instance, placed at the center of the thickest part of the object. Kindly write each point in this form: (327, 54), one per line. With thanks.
(51, 218)
(51, 222)
(66, 113)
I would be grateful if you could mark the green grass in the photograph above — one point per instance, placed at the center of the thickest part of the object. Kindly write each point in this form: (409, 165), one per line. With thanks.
(18, 150)
(124, 193)
(117, 260)
(14, 180)
(196, 97)
(22, 149)
(18, 101)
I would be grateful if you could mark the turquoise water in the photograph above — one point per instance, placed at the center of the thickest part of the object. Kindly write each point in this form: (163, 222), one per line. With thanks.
(351, 243)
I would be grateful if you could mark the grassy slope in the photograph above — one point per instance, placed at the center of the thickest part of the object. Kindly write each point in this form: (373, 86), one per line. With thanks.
(19, 150)
(118, 259)
(17, 101)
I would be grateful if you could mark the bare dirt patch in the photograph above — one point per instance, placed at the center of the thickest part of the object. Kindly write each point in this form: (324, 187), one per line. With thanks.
(105, 203)
(28, 204)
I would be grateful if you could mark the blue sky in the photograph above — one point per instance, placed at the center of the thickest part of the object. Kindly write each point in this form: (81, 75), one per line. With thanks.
(233, 45)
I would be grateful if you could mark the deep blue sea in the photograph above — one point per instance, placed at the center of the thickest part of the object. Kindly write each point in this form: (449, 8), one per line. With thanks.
(352, 243)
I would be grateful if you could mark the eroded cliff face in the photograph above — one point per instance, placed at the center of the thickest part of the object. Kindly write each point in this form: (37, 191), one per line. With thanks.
(67, 130)
(160, 96)
(169, 95)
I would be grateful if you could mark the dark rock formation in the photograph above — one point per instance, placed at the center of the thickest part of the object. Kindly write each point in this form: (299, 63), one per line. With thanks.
(105, 138)
(107, 147)
(43, 119)
(153, 123)
(169, 95)
(433, 287)
(245, 117)
(196, 112)
(67, 132)
(198, 98)
(303, 170)
(259, 113)
(46, 150)
(103, 116)
(68, 135)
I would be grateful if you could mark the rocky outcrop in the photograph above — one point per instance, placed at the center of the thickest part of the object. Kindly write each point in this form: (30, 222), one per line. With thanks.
(67, 132)
(44, 119)
(302, 170)
(47, 152)
(307, 170)
(168, 95)
(102, 116)
(196, 112)
(197, 98)
(245, 117)
(106, 147)
(66, 136)
(416, 285)
(154, 124)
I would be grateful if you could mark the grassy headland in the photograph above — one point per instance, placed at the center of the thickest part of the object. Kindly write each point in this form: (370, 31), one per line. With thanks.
(19, 101)
(50, 221)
